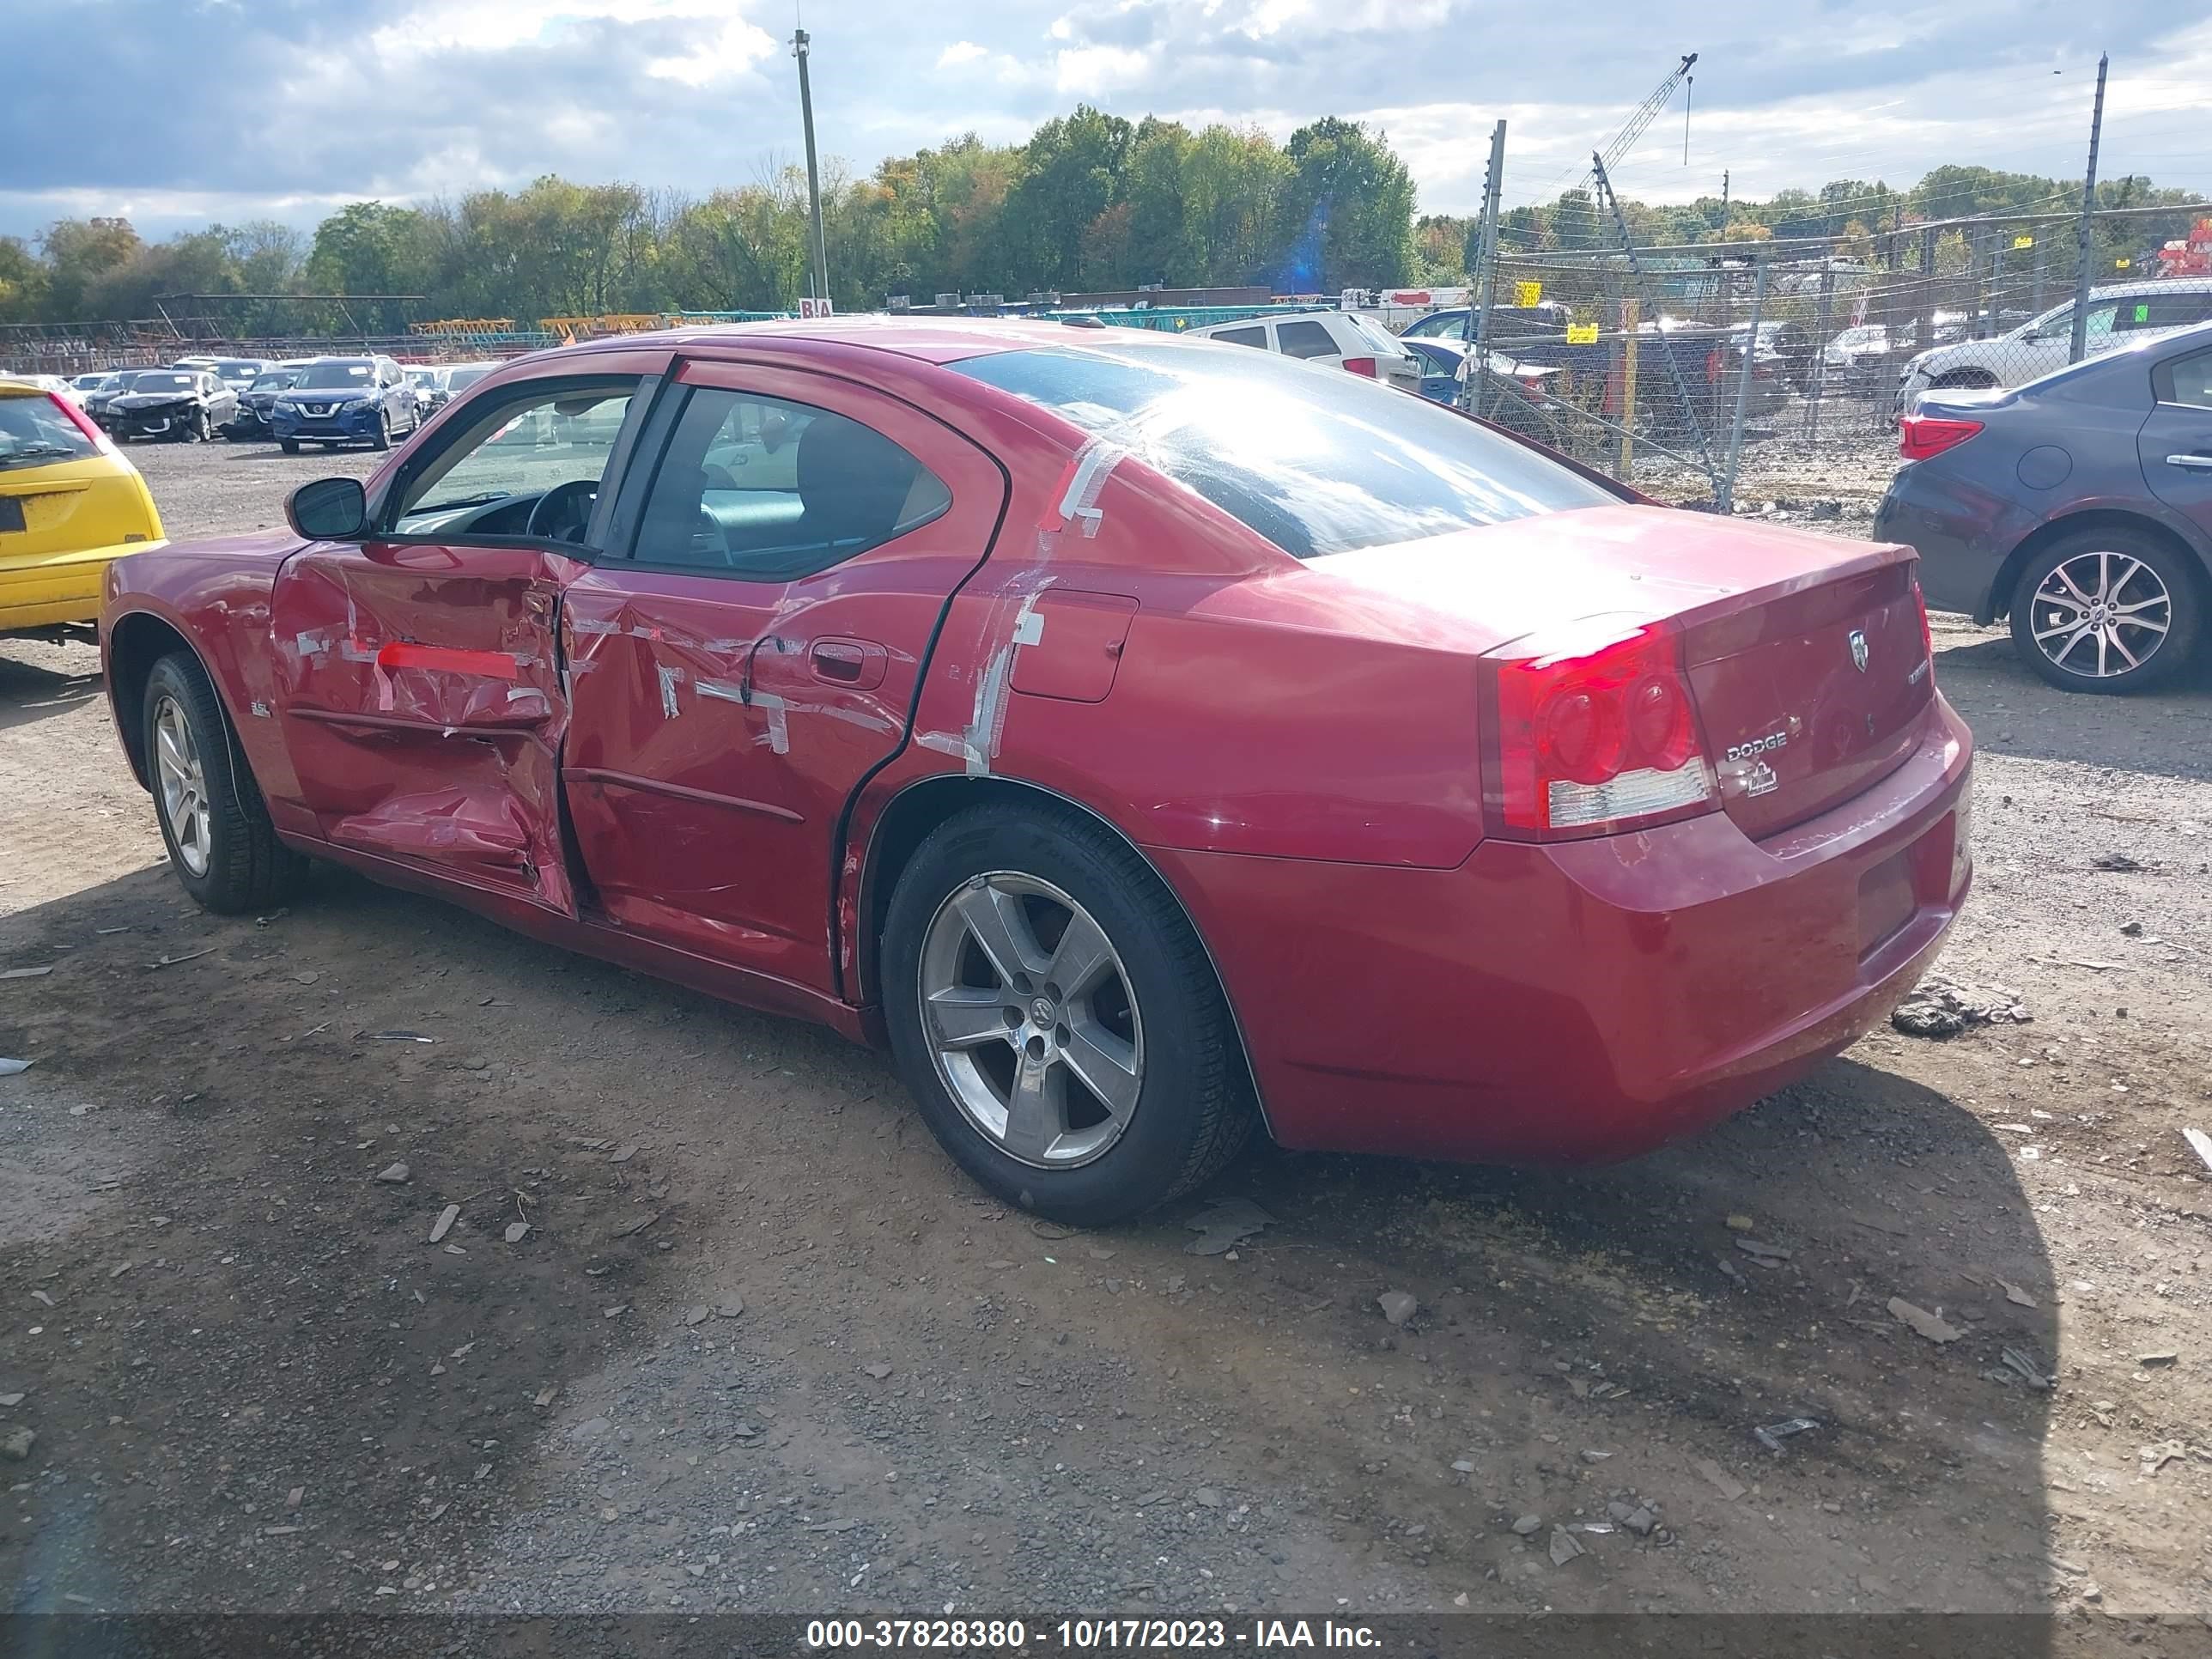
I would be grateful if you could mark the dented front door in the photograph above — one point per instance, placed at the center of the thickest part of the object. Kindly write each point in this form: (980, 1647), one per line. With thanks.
(421, 704)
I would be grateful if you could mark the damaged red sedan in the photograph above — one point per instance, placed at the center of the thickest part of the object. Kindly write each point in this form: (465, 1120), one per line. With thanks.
(1146, 740)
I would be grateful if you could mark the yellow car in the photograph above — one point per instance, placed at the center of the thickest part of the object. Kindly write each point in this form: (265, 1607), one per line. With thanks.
(69, 505)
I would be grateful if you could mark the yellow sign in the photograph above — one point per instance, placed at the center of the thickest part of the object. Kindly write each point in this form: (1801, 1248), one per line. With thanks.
(2122, 265)
(1527, 294)
(2023, 241)
(1582, 333)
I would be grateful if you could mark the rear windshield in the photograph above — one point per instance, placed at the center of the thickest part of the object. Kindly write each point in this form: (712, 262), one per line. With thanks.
(324, 375)
(461, 377)
(1316, 461)
(34, 432)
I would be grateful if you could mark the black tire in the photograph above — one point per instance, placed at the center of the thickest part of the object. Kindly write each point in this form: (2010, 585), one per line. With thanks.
(383, 438)
(2167, 655)
(247, 868)
(1194, 1111)
(289, 446)
(200, 431)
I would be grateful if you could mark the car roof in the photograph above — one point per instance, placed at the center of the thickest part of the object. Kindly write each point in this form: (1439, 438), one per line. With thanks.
(2152, 285)
(939, 340)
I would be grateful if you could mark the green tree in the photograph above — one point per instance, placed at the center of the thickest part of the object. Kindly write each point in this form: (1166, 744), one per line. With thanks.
(1158, 248)
(1347, 218)
(22, 282)
(1071, 171)
(78, 254)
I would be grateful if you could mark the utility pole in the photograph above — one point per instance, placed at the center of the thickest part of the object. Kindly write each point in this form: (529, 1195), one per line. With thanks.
(1724, 496)
(1475, 388)
(1724, 185)
(1666, 352)
(821, 276)
(2080, 344)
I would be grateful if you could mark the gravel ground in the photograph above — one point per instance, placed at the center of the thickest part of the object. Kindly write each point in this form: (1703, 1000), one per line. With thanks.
(719, 1327)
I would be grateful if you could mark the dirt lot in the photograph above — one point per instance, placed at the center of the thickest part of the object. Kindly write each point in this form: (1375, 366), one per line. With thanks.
(761, 1347)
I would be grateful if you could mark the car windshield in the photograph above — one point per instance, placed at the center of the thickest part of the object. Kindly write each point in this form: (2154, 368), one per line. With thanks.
(275, 381)
(164, 380)
(34, 431)
(461, 377)
(1317, 464)
(323, 377)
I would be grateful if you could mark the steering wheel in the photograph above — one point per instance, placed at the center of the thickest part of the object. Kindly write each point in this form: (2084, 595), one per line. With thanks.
(563, 512)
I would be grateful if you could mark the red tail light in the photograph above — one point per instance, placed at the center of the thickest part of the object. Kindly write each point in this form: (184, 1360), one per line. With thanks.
(79, 419)
(1363, 366)
(1595, 736)
(1920, 437)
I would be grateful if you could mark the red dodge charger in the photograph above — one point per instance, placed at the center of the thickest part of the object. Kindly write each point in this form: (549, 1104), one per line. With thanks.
(1144, 739)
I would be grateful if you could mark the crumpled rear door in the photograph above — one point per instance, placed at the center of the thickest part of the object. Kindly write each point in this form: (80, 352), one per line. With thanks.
(423, 709)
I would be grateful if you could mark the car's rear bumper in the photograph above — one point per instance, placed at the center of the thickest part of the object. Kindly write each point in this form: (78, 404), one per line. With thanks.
(44, 589)
(1587, 1000)
(1961, 531)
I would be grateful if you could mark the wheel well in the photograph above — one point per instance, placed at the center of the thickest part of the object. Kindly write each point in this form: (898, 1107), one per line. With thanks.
(135, 644)
(2002, 590)
(917, 810)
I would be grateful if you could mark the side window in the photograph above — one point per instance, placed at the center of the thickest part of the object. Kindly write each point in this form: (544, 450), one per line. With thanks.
(1243, 336)
(2102, 318)
(1304, 340)
(2166, 311)
(767, 489)
(529, 464)
(2190, 381)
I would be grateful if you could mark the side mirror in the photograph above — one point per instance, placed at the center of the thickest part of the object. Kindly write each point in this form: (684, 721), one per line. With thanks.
(329, 510)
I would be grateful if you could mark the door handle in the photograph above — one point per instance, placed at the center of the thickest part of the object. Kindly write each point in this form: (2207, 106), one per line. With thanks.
(2202, 463)
(857, 664)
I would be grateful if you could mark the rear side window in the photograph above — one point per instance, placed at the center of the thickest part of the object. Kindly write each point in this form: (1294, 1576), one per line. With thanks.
(1317, 464)
(765, 489)
(1243, 336)
(2190, 381)
(1304, 340)
(2163, 311)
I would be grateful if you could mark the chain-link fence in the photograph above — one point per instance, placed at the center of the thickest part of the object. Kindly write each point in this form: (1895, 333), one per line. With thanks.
(1679, 368)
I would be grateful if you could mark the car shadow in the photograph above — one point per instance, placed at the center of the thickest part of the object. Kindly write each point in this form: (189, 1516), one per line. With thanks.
(1739, 1282)
(2014, 711)
(32, 692)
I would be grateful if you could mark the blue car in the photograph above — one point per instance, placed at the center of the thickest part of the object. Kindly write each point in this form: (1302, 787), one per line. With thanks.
(1439, 361)
(345, 400)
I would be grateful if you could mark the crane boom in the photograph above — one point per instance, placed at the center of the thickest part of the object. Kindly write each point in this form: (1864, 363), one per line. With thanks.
(1647, 112)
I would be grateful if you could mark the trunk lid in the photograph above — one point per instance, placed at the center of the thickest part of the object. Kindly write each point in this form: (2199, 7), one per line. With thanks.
(1773, 623)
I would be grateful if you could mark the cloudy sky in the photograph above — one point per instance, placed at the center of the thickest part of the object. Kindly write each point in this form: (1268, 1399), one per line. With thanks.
(177, 111)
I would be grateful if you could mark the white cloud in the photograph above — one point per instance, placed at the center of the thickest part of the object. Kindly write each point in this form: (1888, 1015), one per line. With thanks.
(959, 52)
(1094, 71)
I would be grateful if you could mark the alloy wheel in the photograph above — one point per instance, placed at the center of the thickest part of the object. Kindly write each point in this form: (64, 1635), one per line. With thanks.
(1031, 1020)
(2100, 613)
(184, 804)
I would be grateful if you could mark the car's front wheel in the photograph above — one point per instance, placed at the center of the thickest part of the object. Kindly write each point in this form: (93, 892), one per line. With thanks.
(1057, 1020)
(2109, 611)
(381, 439)
(212, 817)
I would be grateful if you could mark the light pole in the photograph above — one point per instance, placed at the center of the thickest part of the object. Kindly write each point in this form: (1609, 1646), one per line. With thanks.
(821, 281)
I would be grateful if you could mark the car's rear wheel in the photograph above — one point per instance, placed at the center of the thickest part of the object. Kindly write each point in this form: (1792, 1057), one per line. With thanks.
(2110, 611)
(1057, 1020)
(213, 819)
